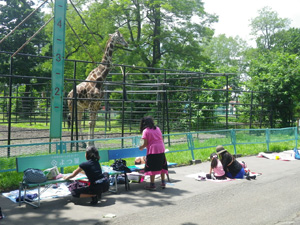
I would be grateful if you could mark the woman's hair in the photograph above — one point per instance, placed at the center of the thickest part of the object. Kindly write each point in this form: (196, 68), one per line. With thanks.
(214, 160)
(227, 155)
(147, 122)
(92, 153)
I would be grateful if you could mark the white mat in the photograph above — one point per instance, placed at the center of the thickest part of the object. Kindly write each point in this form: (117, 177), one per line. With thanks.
(284, 156)
(55, 191)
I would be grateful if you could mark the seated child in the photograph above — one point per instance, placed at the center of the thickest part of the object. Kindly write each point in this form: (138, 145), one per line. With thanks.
(139, 160)
(216, 168)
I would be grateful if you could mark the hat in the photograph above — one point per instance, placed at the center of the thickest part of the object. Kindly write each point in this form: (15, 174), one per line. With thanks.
(220, 149)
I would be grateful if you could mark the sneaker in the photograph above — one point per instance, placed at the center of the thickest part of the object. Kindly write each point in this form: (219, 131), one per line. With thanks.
(94, 200)
(163, 185)
(1, 215)
(150, 188)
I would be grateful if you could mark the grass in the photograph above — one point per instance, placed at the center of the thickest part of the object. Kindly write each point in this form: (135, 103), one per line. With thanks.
(10, 180)
(204, 145)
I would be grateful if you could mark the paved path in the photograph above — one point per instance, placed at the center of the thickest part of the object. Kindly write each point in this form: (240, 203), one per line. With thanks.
(272, 198)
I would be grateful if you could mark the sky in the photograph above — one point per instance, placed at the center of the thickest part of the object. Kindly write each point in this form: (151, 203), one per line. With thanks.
(235, 15)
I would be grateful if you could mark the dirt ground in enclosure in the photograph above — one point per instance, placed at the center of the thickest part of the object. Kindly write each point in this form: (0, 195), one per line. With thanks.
(24, 136)
(29, 136)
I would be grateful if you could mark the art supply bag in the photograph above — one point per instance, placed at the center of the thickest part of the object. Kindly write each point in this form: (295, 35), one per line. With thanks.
(51, 173)
(34, 176)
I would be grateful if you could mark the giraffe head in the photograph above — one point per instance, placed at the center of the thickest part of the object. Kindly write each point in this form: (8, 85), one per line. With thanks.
(117, 38)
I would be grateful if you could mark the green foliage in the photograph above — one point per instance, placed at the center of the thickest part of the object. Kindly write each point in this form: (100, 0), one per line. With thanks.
(10, 181)
(12, 13)
(160, 33)
(265, 25)
(276, 74)
(226, 52)
(286, 41)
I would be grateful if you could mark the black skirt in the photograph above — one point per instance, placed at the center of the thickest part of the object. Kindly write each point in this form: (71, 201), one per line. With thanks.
(156, 164)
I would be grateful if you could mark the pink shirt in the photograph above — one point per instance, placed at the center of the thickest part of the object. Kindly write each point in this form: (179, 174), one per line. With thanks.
(155, 142)
(219, 171)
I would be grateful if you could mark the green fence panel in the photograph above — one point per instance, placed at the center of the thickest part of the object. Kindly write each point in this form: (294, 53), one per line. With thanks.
(194, 142)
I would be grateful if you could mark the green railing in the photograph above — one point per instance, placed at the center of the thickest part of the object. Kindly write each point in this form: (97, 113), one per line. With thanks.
(191, 145)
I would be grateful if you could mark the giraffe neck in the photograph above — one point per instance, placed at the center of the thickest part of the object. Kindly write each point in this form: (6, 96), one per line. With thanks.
(100, 73)
(107, 57)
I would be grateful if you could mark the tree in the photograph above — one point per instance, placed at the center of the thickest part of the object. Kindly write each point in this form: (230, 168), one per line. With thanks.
(265, 25)
(226, 52)
(169, 34)
(160, 33)
(286, 41)
(12, 13)
(276, 76)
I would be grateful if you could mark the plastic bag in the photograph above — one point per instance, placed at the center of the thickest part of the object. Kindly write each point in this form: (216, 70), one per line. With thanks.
(51, 173)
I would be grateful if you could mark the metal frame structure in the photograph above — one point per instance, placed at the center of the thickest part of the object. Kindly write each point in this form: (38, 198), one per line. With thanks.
(174, 98)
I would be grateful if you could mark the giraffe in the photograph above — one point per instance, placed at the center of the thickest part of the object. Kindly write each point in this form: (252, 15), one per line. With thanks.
(90, 92)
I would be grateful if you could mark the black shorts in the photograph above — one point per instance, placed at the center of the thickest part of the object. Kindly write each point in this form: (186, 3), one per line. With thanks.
(95, 189)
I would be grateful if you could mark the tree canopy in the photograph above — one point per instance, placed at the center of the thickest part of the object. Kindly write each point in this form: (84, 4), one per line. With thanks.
(266, 24)
(173, 34)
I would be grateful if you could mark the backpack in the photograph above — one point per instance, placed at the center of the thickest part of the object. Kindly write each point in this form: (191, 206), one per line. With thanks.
(34, 176)
(120, 165)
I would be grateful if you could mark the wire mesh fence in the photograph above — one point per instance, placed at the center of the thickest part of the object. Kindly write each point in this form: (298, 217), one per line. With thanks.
(179, 101)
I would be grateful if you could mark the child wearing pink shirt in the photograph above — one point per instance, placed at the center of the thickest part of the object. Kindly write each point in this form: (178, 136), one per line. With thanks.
(216, 168)
(156, 162)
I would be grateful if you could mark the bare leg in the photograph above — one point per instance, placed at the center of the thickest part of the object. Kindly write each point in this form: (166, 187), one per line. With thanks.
(152, 177)
(152, 184)
(162, 175)
(95, 198)
(79, 118)
(86, 196)
(163, 182)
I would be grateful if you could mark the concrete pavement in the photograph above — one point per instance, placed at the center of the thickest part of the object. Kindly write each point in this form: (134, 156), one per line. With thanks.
(273, 198)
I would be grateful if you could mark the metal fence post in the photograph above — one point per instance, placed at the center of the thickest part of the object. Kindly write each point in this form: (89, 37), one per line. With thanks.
(233, 140)
(135, 141)
(191, 144)
(268, 138)
(296, 136)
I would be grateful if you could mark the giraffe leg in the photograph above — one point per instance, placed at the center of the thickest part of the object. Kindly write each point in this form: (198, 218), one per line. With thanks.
(93, 118)
(79, 117)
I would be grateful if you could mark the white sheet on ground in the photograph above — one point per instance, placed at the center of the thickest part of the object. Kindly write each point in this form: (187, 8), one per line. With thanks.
(285, 155)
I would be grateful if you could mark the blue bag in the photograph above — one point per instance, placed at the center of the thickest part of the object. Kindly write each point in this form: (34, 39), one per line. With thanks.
(297, 155)
(34, 176)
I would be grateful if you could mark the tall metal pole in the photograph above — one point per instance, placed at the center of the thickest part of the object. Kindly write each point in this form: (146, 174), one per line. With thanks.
(9, 107)
(227, 101)
(58, 60)
(123, 104)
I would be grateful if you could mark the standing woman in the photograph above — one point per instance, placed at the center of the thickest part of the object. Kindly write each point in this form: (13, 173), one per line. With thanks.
(231, 166)
(93, 171)
(156, 162)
